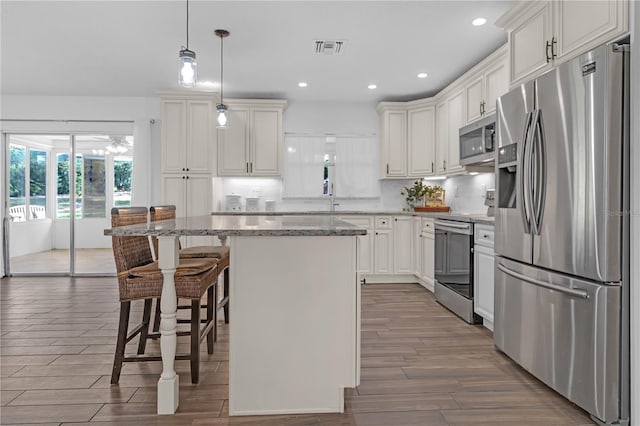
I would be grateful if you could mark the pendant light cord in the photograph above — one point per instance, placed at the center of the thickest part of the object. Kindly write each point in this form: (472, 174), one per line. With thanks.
(187, 24)
(221, 69)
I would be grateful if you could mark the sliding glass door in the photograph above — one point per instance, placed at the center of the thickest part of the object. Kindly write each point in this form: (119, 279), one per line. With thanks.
(60, 192)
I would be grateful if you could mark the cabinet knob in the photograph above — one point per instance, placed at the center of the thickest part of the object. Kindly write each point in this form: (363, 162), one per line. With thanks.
(183, 177)
(187, 169)
(183, 169)
(485, 236)
(187, 177)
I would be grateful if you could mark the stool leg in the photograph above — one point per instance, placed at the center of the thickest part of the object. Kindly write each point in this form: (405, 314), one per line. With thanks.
(212, 315)
(146, 316)
(121, 342)
(195, 341)
(156, 319)
(226, 294)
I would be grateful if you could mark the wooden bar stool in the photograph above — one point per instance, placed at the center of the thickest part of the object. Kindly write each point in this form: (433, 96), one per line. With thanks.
(221, 253)
(139, 278)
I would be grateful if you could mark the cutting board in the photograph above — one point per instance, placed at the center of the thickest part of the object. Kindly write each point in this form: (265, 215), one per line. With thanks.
(440, 209)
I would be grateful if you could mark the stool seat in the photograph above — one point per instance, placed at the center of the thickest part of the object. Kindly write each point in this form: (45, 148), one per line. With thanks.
(216, 252)
(193, 266)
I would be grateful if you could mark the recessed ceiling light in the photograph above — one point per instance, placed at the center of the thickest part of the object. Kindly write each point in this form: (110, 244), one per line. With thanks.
(372, 86)
(423, 75)
(479, 21)
(302, 84)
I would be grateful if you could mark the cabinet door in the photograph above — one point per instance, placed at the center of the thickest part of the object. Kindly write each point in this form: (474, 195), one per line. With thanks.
(266, 141)
(383, 246)
(199, 194)
(474, 98)
(580, 25)
(428, 257)
(421, 141)
(442, 137)
(495, 85)
(483, 282)
(394, 135)
(173, 192)
(174, 134)
(402, 245)
(199, 136)
(527, 42)
(233, 144)
(365, 242)
(416, 236)
(456, 120)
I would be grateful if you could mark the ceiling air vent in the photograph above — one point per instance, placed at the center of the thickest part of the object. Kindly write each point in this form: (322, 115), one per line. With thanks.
(329, 47)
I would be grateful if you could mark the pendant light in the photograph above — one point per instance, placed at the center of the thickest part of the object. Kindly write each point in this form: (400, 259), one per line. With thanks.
(188, 72)
(222, 119)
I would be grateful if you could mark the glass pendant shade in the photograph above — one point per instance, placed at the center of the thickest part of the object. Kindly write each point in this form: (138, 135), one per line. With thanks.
(222, 121)
(188, 68)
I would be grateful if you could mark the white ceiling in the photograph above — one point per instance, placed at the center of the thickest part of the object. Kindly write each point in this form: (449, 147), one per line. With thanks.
(130, 48)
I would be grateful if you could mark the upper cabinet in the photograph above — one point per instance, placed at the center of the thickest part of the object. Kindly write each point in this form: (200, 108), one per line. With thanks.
(543, 34)
(421, 141)
(455, 120)
(407, 139)
(393, 139)
(487, 83)
(187, 134)
(252, 144)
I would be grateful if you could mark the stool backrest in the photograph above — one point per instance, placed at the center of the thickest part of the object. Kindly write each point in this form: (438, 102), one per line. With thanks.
(167, 212)
(130, 251)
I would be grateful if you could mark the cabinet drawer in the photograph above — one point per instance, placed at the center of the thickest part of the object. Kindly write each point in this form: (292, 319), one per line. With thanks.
(383, 222)
(484, 235)
(427, 226)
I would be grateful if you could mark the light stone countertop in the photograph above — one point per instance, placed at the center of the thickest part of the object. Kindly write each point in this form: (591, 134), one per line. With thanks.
(474, 218)
(243, 225)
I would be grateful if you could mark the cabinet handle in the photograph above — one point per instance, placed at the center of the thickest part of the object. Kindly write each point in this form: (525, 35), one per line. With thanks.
(250, 167)
(247, 167)
(554, 42)
(444, 164)
(481, 108)
(432, 167)
(387, 168)
(548, 46)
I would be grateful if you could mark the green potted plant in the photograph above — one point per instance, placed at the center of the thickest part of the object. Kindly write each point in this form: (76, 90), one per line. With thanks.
(414, 195)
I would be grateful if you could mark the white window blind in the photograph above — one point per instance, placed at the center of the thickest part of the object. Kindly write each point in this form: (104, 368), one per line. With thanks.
(356, 170)
(303, 166)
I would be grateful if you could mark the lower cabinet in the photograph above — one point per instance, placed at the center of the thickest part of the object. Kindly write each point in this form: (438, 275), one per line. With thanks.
(383, 248)
(402, 244)
(365, 242)
(483, 274)
(427, 252)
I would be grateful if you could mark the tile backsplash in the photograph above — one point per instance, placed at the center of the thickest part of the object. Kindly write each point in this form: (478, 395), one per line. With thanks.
(463, 193)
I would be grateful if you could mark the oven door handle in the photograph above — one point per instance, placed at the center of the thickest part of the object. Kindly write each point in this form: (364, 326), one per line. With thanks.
(570, 291)
(453, 225)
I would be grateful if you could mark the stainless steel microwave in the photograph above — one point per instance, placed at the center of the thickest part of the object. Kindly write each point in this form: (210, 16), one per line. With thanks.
(477, 142)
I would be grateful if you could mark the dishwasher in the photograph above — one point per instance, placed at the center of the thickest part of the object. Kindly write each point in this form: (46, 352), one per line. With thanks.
(454, 268)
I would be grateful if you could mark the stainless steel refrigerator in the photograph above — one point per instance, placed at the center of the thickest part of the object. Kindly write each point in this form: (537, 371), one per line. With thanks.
(562, 230)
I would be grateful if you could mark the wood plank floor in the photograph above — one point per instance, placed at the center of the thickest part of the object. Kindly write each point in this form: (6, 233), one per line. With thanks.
(420, 366)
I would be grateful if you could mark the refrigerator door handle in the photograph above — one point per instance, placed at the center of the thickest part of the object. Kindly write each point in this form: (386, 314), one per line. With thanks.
(530, 167)
(540, 172)
(569, 291)
(523, 193)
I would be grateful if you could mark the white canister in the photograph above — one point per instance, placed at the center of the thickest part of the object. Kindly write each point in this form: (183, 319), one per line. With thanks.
(232, 203)
(252, 204)
(270, 206)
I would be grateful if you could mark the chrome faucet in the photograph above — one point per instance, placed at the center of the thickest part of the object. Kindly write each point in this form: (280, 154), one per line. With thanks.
(332, 200)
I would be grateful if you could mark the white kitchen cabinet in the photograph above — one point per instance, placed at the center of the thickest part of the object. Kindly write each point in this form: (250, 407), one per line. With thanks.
(483, 274)
(427, 252)
(365, 242)
(187, 135)
(421, 141)
(252, 143)
(485, 86)
(417, 243)
(402, 245)
(442, 137)
(455, 111)
(192, 195)
(383, 247)
(543, 34)
(393, 140)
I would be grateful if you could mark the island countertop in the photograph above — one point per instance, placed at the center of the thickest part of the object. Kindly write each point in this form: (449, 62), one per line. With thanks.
(243, 225)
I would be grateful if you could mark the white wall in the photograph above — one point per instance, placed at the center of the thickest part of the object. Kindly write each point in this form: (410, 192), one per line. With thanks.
(30, 237)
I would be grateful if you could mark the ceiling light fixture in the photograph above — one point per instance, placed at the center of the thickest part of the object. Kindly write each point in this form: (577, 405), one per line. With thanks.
(372, 86)
(423, 75)
(302, 84)
(188, 66)
(479, 21)
(222, 120)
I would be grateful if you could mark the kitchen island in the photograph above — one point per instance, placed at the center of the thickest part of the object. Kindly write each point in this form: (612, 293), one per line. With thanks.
(294, 310)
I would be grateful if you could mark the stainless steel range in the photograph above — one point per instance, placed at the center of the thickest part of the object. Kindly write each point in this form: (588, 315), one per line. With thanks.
(454, 268)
